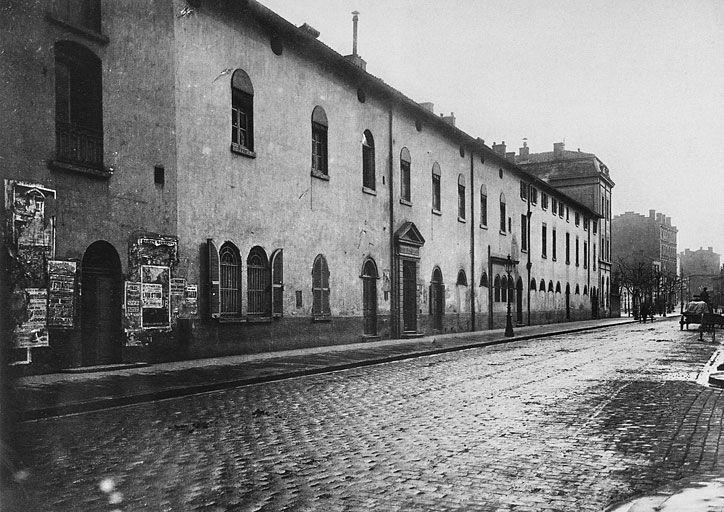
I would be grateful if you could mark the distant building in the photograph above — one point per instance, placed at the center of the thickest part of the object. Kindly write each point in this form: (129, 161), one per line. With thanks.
(700, 269)
(651, 241)
(584, 177)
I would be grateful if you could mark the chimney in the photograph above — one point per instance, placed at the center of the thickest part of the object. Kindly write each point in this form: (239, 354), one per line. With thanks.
(659, 218)
(510, 156)
(668, 221)
(652, 214)
(449, 119)
(499, 148)
(354, 58)
(309, 30)
(428, 106)
(525, 150)
(558, 148)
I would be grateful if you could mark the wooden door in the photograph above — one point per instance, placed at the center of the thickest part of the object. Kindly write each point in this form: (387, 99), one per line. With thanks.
(409, 296)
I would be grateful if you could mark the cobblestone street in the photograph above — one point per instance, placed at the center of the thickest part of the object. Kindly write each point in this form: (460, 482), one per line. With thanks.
(572, 422)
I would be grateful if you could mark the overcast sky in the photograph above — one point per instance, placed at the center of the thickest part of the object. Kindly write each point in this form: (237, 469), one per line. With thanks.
(640, 84)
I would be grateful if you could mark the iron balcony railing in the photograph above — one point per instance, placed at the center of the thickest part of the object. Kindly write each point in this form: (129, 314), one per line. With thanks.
(79, 145)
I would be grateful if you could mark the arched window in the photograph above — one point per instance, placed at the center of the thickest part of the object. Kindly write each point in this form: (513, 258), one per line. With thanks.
(242, 112)
(368, 160)
(578, 290)
(533, 284)
(78, 106)
(585, 290)
(258, 283)
(504, 289)
(405, 163)
(230, 279)
(462, 278)
(436, 187)
(319, 141)
(320, 287)
(461, 196)
(550, 287)
(558, 287)
(502, 212)
(483, 206)
(496, 289)
(484, 279)
(542, 287)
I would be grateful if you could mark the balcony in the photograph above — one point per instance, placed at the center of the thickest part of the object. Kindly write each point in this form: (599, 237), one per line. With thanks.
(79, 149)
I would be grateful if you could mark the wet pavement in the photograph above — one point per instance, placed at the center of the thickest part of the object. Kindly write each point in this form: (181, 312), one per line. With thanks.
(578, 421)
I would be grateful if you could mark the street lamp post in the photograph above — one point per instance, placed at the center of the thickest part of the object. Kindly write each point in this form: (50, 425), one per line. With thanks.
(508, 319)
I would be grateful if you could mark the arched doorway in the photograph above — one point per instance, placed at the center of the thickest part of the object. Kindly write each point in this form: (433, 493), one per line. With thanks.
(101, 299)
(437, 299)
(369, 297)
(519, 301)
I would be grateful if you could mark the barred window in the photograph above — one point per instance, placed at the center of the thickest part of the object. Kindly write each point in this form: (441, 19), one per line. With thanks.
(258, 283)
(230, 279)
(320, 287)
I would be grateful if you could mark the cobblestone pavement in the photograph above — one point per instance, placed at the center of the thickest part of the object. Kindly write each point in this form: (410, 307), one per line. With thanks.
(573, 422)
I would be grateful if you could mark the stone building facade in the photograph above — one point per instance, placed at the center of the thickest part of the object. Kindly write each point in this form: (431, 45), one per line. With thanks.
(584, 177)
(145, 223)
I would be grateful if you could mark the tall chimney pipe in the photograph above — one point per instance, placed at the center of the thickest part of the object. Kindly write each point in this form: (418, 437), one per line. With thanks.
(355, 18)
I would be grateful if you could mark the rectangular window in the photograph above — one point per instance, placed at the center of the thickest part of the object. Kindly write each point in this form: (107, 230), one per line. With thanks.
(405, 180)
(436, 192)
(523, 190)
(554, 208)
(524, 232)
(568, 211)
(595, 227)
(533, 195)
(544, 241)
(578, 219)
(568, 248)
(544, 200)
(585, 224)
(319, 148)
(553, 246)
(502, 217)
(585, 254)
(577, 263)
(561, 209)
(242, 122)
(594, 256)
(483, 209)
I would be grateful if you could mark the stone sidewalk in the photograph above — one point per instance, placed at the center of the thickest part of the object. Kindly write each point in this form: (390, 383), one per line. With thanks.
(66, 393)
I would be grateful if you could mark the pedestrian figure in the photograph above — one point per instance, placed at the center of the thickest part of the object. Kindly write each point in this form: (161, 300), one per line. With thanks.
(644, 311)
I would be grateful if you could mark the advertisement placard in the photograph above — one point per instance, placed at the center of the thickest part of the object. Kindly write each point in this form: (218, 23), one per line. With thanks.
(155, 296)
(61, 293)
(34, 331)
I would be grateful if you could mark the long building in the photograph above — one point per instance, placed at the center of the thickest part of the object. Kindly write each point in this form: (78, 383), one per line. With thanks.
(701, 269)
(146, 223)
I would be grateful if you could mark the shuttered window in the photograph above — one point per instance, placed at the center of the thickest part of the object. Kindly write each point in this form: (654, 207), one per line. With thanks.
(242, 111)
(320, 287)
(277, 266)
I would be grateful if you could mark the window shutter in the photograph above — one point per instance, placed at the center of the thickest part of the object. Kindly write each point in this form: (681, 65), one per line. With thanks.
(214, 271)
(278, 283)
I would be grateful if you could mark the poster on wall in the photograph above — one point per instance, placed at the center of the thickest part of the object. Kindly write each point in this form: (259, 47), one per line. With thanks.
(61, 293)
(34, 331)
(132, 305)
(191, 301)
(155, 296)
(178, 292)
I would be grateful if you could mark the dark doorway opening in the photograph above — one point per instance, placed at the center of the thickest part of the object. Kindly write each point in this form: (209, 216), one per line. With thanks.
(369, 297)
(409, 296)
(101, 301)
(437, 299)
